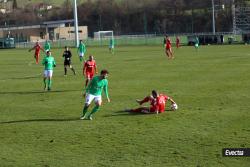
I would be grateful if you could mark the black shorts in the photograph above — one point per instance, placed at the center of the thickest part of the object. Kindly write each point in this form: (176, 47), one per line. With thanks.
(67, 62)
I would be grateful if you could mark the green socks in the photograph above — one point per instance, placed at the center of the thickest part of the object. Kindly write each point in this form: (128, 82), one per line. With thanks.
(49, 83)
(85, 109)
(44, 82)
(94, 110)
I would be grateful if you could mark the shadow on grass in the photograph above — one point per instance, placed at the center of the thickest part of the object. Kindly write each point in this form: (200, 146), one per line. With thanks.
(37, 92)
(24, 77)
(126, 113)
(42, 120)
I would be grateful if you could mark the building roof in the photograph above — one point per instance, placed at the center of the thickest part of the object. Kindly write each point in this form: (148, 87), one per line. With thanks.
(57, 23)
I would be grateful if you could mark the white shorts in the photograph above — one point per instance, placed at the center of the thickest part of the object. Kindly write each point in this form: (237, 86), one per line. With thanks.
(48, 73)
(111, 46)
(90, 98)
(81, 54)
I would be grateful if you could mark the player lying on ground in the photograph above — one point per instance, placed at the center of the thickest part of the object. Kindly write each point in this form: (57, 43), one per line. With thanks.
(94, 92)
(157, 103)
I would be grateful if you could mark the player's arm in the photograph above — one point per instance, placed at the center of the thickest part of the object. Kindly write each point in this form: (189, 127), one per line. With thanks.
(96, 69)
(171, 100)
(44, 61)
(84, 69)
(54, 63)
(86, 90)
(42, 49)
(106, 91)
(32, 48)
(70, 54)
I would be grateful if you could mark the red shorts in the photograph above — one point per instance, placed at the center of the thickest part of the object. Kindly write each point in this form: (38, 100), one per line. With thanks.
(152, 109)
(168, 47)
(89, 75)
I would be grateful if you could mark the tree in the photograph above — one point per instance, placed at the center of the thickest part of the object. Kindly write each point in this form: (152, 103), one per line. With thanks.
(14, 6)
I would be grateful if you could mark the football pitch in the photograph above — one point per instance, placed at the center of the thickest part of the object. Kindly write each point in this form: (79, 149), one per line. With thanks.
(210, 86)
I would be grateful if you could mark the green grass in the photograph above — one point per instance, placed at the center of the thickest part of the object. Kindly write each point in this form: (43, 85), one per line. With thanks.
(210, 86)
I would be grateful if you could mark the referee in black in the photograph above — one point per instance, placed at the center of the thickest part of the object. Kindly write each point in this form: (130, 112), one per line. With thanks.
(67, 61)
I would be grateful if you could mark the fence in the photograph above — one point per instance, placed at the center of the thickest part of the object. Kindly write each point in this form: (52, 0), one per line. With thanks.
(128, 40)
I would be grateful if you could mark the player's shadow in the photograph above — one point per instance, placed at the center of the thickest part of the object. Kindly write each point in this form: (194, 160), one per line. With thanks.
(36, 92)
(126, 113)
(121, 113)
(42, 120)
(29, 77)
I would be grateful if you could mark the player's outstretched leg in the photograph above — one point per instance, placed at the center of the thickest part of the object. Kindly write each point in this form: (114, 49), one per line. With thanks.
(86, 82)
(49, 84)
(65, 71)
(73, 70)
(44, 82)
(94, 110)
(84, 111)
(37, 59)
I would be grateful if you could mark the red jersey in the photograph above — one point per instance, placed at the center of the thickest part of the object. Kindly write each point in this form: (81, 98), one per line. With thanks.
(37, 48)
(168, 44)
(161, 102)
(89, 67)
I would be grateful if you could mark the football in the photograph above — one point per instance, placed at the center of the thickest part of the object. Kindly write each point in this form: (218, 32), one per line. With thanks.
(174, 106)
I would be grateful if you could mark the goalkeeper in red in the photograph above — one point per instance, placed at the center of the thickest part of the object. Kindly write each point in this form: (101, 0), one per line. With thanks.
(49, 63)
(157, 103)
(94, 92)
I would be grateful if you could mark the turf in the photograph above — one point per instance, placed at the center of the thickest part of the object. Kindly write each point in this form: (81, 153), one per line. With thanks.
(210, 86)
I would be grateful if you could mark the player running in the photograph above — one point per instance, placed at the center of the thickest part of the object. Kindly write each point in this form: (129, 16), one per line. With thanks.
(37, 49)
(177, 42)
(49, 63)
(47, 46)
(112, 45)
(157, 103)
(81, 50)
(168, 49)
(67, 61)
(196, 44)
(89, 69)
(94, 92)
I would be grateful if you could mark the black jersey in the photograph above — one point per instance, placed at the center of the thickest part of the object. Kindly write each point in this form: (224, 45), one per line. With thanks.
(67, 55)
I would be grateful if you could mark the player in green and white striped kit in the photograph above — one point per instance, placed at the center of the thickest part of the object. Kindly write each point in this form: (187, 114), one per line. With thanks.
(49, 63)
(94, 92)
(81, 50)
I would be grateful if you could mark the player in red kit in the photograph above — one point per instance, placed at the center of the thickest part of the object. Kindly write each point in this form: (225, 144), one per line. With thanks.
(37, 49)
(89, 69)
(157, 103)
(177, 42)
(168, 49)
